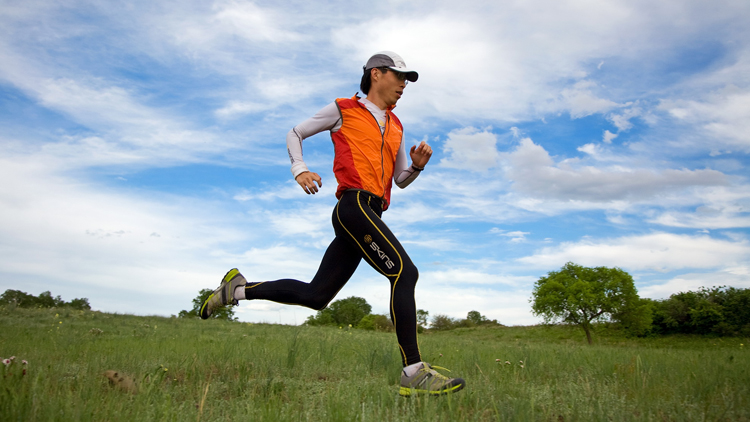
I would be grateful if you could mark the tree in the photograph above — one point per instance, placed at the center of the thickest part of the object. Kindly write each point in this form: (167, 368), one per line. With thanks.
(323, 317)
(637, 317)
(476, 317)
(45, 300)
(716, 311)
(582, 295)
(375, 322)
(350, 310)
(442, 322)
(17, 298)
(342, 313)
(225, 312)
(422, 316)
(81, 304)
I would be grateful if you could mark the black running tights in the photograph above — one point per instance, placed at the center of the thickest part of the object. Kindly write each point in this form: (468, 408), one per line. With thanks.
(360, 234)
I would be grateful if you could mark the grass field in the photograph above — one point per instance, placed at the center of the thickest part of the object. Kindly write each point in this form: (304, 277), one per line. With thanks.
(193, 370)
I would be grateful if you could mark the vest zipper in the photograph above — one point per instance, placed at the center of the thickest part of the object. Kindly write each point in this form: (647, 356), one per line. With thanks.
(382, 146)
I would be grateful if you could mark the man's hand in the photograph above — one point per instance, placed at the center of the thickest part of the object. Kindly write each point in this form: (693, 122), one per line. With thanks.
(420, 155)
(307, 180)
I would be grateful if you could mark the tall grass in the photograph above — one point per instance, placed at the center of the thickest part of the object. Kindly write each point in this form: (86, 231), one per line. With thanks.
(211, 370)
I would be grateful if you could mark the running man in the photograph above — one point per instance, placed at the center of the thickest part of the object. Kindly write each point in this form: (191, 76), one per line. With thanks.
(369, 156)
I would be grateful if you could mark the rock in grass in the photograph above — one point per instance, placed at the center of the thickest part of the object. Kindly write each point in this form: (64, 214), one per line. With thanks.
(121, 381)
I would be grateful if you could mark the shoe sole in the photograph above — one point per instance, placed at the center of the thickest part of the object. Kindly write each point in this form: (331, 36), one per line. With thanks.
(408, 392)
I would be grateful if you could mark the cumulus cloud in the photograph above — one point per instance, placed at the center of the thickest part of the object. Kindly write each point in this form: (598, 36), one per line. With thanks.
(622, 120)
(608, 137)
(721, 208)
(470, 149)
(738, 277)
(722, 117)
(582, 101)
(312, 221)
(254, 23)
(120, 127)
(66, 233)
(498, 69)
(656, 251)
(535, 173)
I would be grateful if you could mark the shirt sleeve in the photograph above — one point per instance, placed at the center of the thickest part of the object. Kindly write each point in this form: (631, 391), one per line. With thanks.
(403, 173)
(328, 118)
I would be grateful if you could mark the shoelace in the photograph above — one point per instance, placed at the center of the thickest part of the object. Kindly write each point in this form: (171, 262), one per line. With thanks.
(436, 374)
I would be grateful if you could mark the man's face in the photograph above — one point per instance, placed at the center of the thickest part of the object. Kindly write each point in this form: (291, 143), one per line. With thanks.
(389, 85)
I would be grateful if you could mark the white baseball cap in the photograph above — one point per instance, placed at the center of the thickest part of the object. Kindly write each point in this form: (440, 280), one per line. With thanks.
(392, 61)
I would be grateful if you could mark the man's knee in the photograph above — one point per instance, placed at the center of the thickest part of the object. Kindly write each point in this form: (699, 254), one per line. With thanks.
(410, 274)
(319, 301)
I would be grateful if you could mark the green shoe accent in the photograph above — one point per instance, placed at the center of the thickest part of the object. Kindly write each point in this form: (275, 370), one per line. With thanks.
(224, 294)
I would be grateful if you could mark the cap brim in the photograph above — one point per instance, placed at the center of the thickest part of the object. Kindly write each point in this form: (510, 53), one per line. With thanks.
(411, 75)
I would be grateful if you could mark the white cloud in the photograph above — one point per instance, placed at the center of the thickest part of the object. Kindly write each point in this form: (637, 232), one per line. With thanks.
(64, 232)
(722, 118)
(622, 121)
(515, 236)
(582, 101)
(704, 218)
(738, 277)
(720, 208)
(657, 251)
(254, 23)
(126, 130)
(312, 221)
(507, 307)
(279, 261)
(535, 173)
(608, 137)
(593, 150)
(287, 191)
(237, 108)
(454, 293)
(497, 68)
(470, 149)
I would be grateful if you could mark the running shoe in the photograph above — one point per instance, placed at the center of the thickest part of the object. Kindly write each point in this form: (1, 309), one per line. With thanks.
(224, 294)
(429, 381)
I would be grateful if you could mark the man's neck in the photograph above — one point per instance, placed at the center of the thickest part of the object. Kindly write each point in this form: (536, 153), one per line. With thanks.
(377, 101)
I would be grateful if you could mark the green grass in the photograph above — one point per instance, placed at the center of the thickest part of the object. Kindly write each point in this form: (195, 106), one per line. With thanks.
(211, 371)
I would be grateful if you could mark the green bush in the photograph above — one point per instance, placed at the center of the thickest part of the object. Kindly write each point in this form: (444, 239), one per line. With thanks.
(343, 313)
(442, 322)
(376, 322)
(45, 300)
(722, 311)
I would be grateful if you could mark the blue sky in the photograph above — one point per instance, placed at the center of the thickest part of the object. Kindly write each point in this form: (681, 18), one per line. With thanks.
(142, 146)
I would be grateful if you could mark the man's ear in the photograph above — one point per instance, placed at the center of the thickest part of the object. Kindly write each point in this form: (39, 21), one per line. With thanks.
(375, 74)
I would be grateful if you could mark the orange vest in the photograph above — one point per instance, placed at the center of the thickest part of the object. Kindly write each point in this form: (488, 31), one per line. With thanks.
(365, 158)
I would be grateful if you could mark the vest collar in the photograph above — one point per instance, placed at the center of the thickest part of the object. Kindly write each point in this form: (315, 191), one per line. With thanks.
(356, 98)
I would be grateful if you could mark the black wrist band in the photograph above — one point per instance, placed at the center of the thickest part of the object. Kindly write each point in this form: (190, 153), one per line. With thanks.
(417, 168)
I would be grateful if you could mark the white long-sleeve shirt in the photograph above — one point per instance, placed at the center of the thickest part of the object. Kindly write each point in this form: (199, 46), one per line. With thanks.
(329, 118)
